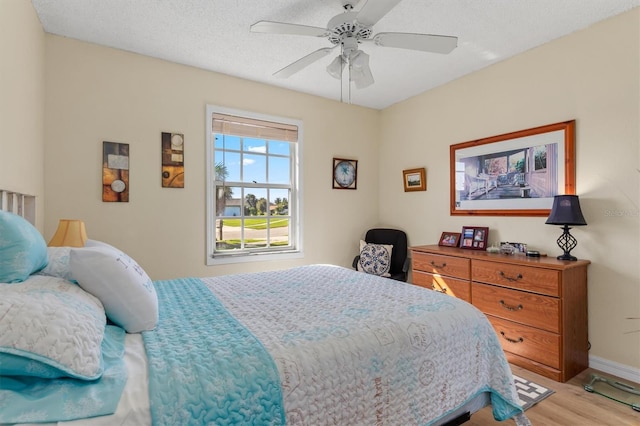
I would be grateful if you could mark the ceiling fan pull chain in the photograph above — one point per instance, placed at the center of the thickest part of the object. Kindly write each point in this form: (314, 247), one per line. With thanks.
(341, 75)
(349, 81)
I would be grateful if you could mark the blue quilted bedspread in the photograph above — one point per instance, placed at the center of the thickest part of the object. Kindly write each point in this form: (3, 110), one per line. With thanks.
(31, 399)
(204, 366)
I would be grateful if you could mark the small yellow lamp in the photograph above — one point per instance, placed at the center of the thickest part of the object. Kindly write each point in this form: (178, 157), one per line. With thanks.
(70, 233)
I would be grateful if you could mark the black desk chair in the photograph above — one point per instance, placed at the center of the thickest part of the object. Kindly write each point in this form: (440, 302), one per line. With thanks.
(399, 258)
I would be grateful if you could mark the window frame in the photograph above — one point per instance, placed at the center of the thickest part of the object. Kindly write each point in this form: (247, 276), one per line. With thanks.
(296, 240)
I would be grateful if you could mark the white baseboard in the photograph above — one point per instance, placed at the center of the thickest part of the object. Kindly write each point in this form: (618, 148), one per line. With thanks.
(619, 370)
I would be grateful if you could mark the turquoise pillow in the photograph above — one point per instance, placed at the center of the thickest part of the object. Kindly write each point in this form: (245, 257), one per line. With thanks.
(19, 365)
(23, 251)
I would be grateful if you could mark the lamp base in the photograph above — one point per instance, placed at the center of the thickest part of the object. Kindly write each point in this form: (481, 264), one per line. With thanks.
(566, 256)
(566, 242)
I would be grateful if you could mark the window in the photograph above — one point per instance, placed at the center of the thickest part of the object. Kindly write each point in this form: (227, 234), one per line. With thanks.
(253, 180)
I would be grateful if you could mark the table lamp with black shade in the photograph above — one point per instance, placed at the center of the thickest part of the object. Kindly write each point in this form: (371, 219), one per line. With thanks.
(566, 212)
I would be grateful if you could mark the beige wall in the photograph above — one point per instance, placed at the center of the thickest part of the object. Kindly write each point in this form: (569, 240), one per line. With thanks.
(97, 94)
(591, 76)
(22, 102)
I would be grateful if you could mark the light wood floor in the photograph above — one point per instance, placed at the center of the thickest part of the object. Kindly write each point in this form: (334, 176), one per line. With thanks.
(570, 405)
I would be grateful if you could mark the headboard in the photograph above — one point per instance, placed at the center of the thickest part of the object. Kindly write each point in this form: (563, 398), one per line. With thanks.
(21, 204)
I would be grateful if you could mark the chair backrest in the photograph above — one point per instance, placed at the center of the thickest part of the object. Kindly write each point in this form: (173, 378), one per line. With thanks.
(395, 237)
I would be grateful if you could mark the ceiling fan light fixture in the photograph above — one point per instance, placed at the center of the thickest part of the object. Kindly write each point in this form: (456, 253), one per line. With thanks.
(355, 75)
(359, 71)
(336, 67)
(359, 60)
(348, 30)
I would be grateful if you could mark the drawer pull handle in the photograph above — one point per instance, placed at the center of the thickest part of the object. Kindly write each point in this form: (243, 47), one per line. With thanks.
(508, 339)
(442, 289)
(435, 265)
(510, 308)
(518, 277)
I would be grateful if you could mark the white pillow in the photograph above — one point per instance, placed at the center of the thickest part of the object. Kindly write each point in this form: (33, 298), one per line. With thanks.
(96, 243)
(375, 258)
(50, 328)
(123, 287)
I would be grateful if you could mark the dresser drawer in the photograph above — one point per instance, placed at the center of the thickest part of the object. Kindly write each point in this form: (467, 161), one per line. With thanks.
(457, 267)
(532, 343)
(525, 308)
(447, 285)
(529, 278)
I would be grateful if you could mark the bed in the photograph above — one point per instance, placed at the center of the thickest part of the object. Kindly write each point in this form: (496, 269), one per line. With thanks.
(310, 345)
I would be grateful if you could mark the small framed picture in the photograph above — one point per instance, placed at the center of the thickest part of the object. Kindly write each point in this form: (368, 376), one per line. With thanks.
(474, 237)
(345, 173)
(449, 239)
(415, 179)
(520, 247)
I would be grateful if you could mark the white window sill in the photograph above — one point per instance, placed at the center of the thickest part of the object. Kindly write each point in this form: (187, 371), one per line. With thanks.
(254, 257)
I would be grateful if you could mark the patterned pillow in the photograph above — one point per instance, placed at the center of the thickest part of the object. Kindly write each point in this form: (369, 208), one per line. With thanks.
(58, 265)
(50, 328)
(375, 258)
(23, 251)
(123, 287)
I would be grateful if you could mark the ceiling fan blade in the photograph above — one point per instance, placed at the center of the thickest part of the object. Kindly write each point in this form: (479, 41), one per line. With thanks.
(303, 62)
(374, 10)
(424, 42)
(271, 27)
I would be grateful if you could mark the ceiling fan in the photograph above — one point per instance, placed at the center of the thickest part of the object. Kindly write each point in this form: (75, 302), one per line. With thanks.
(348, 30)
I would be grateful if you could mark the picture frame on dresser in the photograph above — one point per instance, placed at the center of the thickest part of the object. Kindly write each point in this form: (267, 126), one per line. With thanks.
(474, 237)
(450, 239)
(513, 174)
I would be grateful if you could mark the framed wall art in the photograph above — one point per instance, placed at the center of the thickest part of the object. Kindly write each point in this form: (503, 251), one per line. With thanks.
(450, 239)
(115, 172)
(415, 179)
(345, 173)
(172, 160)
(474, 237)
(514, 174)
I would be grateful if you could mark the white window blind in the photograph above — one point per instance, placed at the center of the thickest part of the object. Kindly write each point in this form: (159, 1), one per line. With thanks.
(250, 127)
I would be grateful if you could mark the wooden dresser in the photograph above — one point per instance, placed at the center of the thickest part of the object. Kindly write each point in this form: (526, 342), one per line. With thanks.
(538, 306)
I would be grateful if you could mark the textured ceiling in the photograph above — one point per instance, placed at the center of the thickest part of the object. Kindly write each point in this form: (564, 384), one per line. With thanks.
(214, 35)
